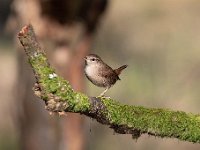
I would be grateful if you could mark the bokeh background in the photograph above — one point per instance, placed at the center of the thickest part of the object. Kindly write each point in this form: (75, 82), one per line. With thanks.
(158, 39)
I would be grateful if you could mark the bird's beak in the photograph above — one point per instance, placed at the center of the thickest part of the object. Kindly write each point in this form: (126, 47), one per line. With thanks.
(85, 57)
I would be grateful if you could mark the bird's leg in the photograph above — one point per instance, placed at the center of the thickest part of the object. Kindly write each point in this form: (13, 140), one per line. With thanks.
(103, 93)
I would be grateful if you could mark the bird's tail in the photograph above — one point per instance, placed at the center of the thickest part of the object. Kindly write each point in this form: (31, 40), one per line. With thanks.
(119, 70)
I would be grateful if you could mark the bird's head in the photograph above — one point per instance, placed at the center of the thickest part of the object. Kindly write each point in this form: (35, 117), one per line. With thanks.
(92, 59)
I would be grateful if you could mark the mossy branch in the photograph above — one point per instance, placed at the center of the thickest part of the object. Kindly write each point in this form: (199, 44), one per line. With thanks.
(60, 97)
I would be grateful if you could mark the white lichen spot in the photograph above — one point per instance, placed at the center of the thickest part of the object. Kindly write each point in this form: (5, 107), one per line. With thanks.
(52, 75)
(35, 54)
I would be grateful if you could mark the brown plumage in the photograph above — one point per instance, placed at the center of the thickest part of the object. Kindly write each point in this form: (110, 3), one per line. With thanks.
(99, 73)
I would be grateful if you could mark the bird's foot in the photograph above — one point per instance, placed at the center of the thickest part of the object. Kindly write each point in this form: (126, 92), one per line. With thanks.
(103, 96)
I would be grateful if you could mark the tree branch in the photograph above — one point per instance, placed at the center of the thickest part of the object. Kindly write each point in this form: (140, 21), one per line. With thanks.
(60, 97)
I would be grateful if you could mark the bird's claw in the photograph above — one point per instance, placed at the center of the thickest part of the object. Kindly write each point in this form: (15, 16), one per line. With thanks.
(103, 96)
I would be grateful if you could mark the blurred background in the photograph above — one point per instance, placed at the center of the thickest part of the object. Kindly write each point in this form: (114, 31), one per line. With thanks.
(158, 39)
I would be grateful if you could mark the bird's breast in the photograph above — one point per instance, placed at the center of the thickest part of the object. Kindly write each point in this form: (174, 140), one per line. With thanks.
(99, 77)
(93, 73)
(92, 70)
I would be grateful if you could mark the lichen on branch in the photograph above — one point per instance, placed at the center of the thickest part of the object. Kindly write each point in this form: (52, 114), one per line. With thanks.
(136, 120)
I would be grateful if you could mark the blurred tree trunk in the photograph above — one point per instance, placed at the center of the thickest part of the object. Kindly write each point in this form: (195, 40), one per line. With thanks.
(66, 28)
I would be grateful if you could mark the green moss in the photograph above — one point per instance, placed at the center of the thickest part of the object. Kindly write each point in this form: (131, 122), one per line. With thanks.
(56, 85)
(81, 103)
(161, 122)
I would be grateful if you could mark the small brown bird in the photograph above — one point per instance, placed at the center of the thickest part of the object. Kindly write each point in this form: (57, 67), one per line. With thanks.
(100, 74)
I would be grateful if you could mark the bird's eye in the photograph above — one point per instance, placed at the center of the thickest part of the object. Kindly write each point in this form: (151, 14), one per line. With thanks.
(93, 59)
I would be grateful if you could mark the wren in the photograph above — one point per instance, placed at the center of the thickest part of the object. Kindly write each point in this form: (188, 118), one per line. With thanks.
(100, 74)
